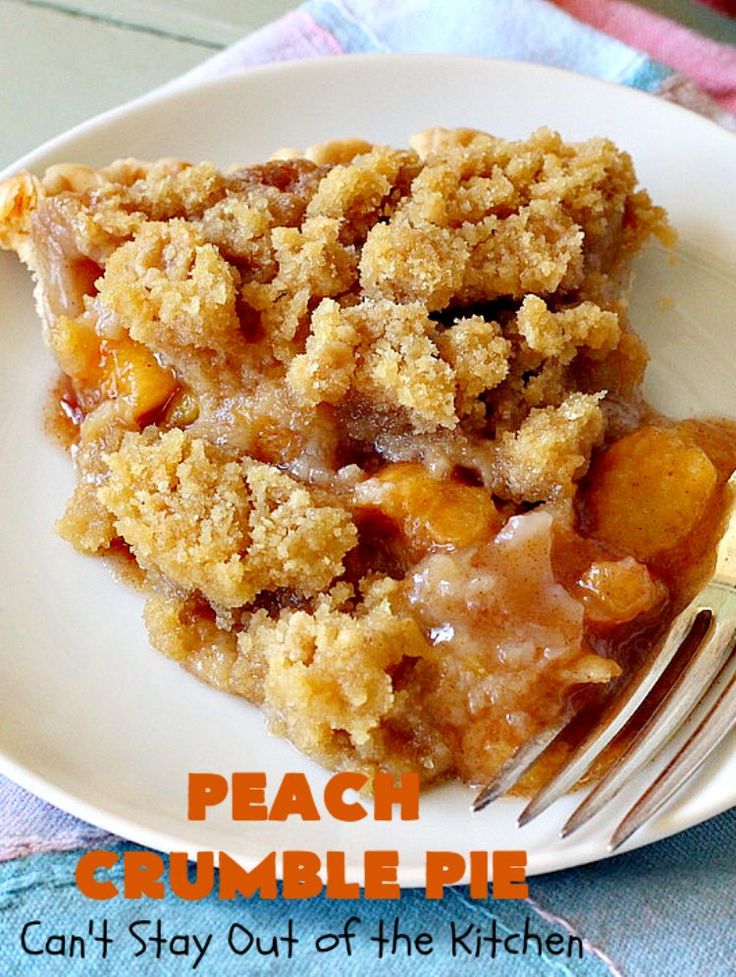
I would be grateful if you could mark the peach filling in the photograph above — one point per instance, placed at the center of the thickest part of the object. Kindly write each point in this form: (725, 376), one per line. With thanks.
(431, 512)
(615, 592)
(648, 492)
(104, 369)
(509, 640)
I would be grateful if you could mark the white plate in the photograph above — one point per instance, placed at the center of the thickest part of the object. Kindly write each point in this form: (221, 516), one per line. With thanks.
(93, 719)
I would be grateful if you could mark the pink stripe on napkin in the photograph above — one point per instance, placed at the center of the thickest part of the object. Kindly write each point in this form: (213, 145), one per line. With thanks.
(710, 64)
(29, 825)
(725, 6)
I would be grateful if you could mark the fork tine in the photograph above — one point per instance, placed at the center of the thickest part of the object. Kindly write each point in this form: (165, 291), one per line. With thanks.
(693, 754)
(705, 665)
(518, 764)
(616, 716)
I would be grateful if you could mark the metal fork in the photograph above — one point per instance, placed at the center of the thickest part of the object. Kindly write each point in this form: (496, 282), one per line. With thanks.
(699, 709)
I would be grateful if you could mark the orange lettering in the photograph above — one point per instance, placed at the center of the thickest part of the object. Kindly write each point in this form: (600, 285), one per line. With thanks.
(179, 880)
(442, 868)
(337, 887)
(509, 875)
(334, 800)
(238, 881)
(205, 790)
(87, 865)
(301, 875)
(294, 797)
(249, 797)
(479, 875)
(143, 871)
(386, 794)
(380, 869)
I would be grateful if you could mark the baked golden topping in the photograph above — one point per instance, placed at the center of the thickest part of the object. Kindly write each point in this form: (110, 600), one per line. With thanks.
(368, 422)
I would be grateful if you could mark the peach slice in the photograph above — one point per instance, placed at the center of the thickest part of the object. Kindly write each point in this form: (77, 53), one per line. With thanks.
(134, 374)
(430, 511)
(614, 592)
(648, 491)
(102, 369)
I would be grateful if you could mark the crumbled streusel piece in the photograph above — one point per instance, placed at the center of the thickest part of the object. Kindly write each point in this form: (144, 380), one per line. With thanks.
(172, 291)
(228, 529)
(327, 674)
(396, 356)
(559, 335)
(479, 354)
(551, 449)
(488, 218)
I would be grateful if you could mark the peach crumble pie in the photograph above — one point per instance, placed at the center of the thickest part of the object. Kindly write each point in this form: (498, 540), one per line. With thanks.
(368, 423)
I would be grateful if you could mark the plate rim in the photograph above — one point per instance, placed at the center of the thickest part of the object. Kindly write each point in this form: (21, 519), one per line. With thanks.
(180, 86)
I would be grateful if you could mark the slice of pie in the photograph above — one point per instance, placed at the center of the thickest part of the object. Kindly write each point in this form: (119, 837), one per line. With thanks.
(367, 421)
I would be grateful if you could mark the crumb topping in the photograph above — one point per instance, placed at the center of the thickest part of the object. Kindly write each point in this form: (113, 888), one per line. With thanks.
(552, 448)
(316, 399)
(171, 290)
(228, 529)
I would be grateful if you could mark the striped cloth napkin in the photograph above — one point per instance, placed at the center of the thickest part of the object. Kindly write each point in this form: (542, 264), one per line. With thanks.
(667, 909)
(639, 48)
